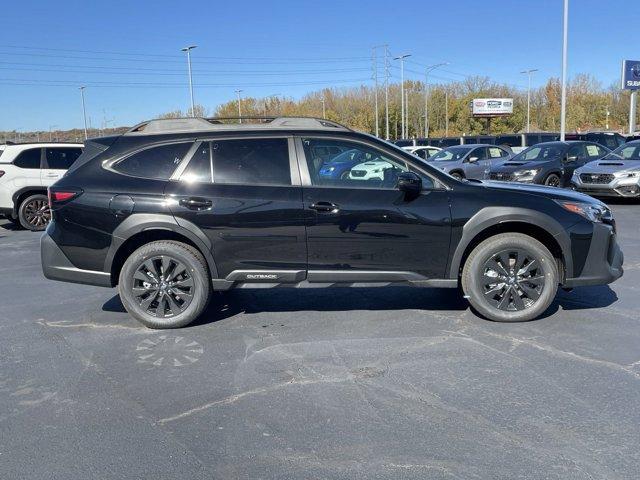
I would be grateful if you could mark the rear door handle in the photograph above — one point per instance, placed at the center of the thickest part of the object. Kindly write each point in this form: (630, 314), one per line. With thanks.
(325, 207)
(196, 203)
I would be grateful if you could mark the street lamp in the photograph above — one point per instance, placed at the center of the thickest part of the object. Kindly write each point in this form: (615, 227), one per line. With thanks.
(84, 111)
(428, 70)
(563, 97)
(529, 72)
(188, 50)
(324, 111)
(238, 92)
(401, 58)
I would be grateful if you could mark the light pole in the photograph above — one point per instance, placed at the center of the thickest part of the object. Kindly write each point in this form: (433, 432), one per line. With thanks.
(50, 135)
(386, 91)
(529, 72)
(324, 111)
(188, 50)
(607, 123)
(84, 112)
(427, 71)
(446, 112)
(238, 92)
(563, 97)
(401, 58)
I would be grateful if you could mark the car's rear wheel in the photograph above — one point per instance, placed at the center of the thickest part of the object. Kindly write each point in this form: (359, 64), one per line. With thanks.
(165, 284)
(457, 175)
(552, 180)
(510, 277)
(34, 213)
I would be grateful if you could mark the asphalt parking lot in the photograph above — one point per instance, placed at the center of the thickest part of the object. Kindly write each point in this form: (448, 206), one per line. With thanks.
(335, 383)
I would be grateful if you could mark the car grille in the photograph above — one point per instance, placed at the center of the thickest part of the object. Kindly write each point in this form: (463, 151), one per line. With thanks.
(358, 173)
(599, 178)
(503, 177)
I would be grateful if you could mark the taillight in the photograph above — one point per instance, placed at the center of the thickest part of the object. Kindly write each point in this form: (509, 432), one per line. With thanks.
(61, 196)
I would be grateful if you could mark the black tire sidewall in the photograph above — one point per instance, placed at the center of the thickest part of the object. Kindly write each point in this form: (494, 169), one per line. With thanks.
(552, 175)
(476, 260)
(197, 269)
(22, 221)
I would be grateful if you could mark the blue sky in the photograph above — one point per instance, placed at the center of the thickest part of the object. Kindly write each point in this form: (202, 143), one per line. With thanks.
(128, 53)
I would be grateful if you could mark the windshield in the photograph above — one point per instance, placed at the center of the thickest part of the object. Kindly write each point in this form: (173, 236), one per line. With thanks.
(539, 152)
(449, 154)
(626, 152)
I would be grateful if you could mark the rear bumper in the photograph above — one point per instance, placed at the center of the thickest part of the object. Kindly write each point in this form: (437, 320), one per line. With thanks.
(56, 266)
(604, 259)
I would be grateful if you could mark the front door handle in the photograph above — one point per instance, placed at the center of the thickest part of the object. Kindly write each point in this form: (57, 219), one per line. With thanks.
(196, 203)
(325, 207)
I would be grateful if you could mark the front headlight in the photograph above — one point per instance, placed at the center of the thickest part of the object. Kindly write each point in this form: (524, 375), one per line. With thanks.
(593, 212)
(627, 174)
(525, 173)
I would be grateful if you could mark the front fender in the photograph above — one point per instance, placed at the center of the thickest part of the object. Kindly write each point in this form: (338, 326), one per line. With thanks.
(492, 216)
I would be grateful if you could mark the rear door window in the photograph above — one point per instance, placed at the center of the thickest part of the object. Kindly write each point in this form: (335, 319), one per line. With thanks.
(263, 161)
(29, 158)
(59, 158)
(155, 162)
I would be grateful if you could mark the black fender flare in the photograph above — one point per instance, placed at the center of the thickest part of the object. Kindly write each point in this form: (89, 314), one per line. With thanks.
(491, 216)
(140, 222)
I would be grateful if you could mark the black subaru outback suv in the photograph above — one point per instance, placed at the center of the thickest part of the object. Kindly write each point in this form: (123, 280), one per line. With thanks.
(175, 209)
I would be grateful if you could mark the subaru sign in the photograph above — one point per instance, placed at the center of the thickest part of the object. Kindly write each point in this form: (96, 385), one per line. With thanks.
(491, 107)
(631, 74)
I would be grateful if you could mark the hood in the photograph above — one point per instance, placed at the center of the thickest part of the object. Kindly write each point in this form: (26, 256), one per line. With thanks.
(611, 165)
(515, 165)
(540, 190)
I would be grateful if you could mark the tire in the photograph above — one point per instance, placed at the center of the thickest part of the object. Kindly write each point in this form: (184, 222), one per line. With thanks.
(457, 175)
(553, 180)
(34, 213)
(156, 302)
(484, 293)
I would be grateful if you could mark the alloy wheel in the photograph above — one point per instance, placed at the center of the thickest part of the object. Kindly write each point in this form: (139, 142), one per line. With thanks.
(37, 213)
(512, 280)
(553, 181)
(163, 286)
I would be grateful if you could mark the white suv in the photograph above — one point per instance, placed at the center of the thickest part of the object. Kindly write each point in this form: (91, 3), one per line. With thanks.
(26, 170)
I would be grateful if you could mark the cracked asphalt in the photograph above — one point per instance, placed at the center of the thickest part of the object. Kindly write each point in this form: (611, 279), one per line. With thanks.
(336, 383)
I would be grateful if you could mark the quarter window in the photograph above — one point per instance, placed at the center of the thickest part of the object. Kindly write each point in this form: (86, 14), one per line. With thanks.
(157, 162)
(28, 159)
(61, 158)
(263, 161)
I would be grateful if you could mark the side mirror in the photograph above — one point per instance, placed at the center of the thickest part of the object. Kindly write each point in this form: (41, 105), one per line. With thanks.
(572, 158)
(473, 159)
(410, 183)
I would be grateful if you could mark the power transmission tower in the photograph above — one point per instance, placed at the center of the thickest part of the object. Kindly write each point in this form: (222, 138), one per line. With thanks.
(387, 74)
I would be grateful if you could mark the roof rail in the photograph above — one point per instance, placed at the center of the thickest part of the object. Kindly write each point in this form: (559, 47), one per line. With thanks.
(199, 124)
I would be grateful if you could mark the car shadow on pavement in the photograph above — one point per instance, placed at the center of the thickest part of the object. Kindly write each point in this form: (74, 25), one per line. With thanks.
(235, 302)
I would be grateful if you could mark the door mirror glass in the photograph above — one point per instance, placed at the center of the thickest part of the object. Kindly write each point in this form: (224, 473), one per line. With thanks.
(409, 183)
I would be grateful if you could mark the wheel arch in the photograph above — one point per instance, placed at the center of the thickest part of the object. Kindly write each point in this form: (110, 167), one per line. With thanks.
(24, 192)
(495, 220)
(140, 229)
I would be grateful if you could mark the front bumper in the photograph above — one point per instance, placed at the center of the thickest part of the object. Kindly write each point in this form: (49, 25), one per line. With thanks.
(618, 187)
(603, 264)
(56, 266)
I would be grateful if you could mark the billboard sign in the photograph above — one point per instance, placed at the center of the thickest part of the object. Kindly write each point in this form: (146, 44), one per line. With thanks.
(491, 107)
(631, 75)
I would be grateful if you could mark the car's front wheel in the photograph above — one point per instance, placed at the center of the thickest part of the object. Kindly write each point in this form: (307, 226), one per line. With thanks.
(34, 213)
(510, 277)
(165, 284)
(553, 180)
(457, 175)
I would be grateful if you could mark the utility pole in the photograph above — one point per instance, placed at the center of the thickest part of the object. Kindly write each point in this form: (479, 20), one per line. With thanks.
(374, 66)
(84, 112)
(238, 92)
(607, 122)
(401, 58)
(188, 50)
(324, 111)
(427, 71)
(446, 112)
(386, 90)
(50, 134)
(632, 111)
(529, 72)
(563, 98)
